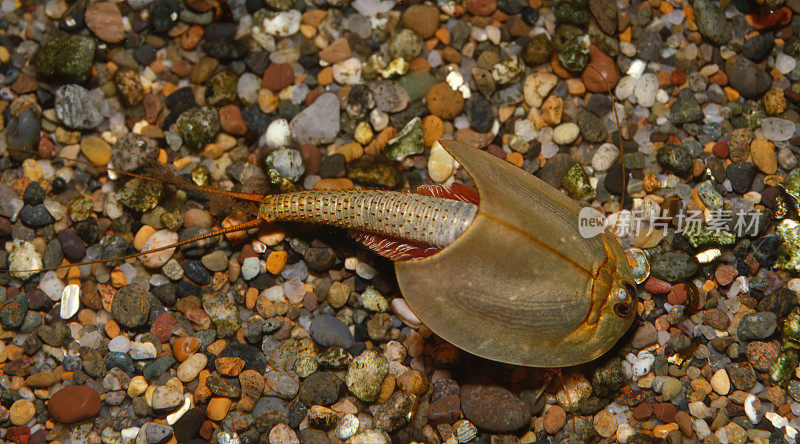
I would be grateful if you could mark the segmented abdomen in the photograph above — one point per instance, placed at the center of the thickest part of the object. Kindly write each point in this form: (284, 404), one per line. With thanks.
(413, 217)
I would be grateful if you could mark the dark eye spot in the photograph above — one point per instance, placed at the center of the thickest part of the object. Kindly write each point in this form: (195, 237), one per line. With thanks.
(622, 309)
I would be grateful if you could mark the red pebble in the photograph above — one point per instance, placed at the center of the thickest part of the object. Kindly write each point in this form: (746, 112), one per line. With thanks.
(482, 7)
(678, 295)
(656, 286)
(725, 274)
(277, 76)
(162, 327)
(721, 149)
(677, 77)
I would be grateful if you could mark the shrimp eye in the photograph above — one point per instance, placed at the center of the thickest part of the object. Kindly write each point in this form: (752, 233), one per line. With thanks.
(622, 309)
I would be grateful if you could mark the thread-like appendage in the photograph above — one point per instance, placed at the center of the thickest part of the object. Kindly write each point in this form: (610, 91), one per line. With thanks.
(413, 217)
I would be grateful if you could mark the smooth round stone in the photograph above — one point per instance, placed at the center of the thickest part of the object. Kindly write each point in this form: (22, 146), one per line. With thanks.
(566, 133)
(21, 412)
(131, 306)
(159, 239)
(215, 261)
(247, 88)
(191, 367)
(250, 268)
(605, 156)
(494, 408)
(74, 403)
(70, 301)
(96, 150)
(119, 344)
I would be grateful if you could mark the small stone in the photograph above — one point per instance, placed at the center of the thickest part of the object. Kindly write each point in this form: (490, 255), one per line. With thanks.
(96, 150)
(105, 21)
(749, 79)
(601, 75)
(566, 133)
(408, 141)
(66, 59)
(763, 154)
(131, 306)
(21, 412)
(75, 107)
(757, 326)
(133, 151)
(494, 408)
(329, 331)
(422, 19)
(319, 123)
(165, 398)
(288, 162)
(444, 102)
(365, 375)
(720, 382)
(711, 21)
(321, 388)
(198, 126)
(537, 86)
(74, 403)
(277, 76)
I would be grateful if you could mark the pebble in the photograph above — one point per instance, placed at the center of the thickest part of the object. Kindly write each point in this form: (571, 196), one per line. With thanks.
(131, 306)
(365, 375)
(319, 123)
(74, 404)
(494, 408)
(75, 107)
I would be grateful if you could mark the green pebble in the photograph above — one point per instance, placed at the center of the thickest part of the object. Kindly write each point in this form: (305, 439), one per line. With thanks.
(365, 375)
(198, 126)
(417, 84)
(576, 181)
(704, 235)
(537, 50)
(67, 59)
(221, 88)
(788, 232)
(407, 143)
(140, 195)
(576, 55)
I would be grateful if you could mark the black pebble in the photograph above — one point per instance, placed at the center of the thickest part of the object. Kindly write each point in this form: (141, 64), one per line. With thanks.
(196, 272)
(34, 194)
(332, 166)
(72, 245)
(35, 216)
(145, 54)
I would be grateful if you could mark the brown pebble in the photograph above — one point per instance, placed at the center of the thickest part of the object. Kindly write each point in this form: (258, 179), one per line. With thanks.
(725, 274)
(642, 411)
(74, 403)
(277, 76)
(443, 102)
(665, 411)
(717, 319)
(554, 419)
(422, 19)
(337, 51)
(105, 20)
(482, 7)
(231, 121)
(600, 62)
(311, 158)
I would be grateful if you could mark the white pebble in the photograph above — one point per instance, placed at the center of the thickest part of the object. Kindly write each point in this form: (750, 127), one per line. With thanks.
(605, 156)
(283, 24)
(347, 72)
(566, 133)
(641, 366)
(142, 350)
(625, 88)
(23, 258)
(752, 405)
(365, 271)
(70, 301)
(347, 427)
(119, 344)
(51, 285)
(785, 63)
(440, 164)
(159, 239)
(273, 294)
(187, 404)
(624, 431)
(378, 119)
(794, 285)
(278, 134)
(775, 129)
(637, 68)
(250, 268)
(646, 89)
(401, 309)
(247, 88)
(129, 434)
(549, 149)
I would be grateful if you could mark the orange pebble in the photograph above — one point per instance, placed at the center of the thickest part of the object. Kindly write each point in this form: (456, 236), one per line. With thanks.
(732, 94)
(515, 159)
(142, 235)
(276, 261)
(443, 35)
(325, 76)
(112, 329)
(184, 347)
